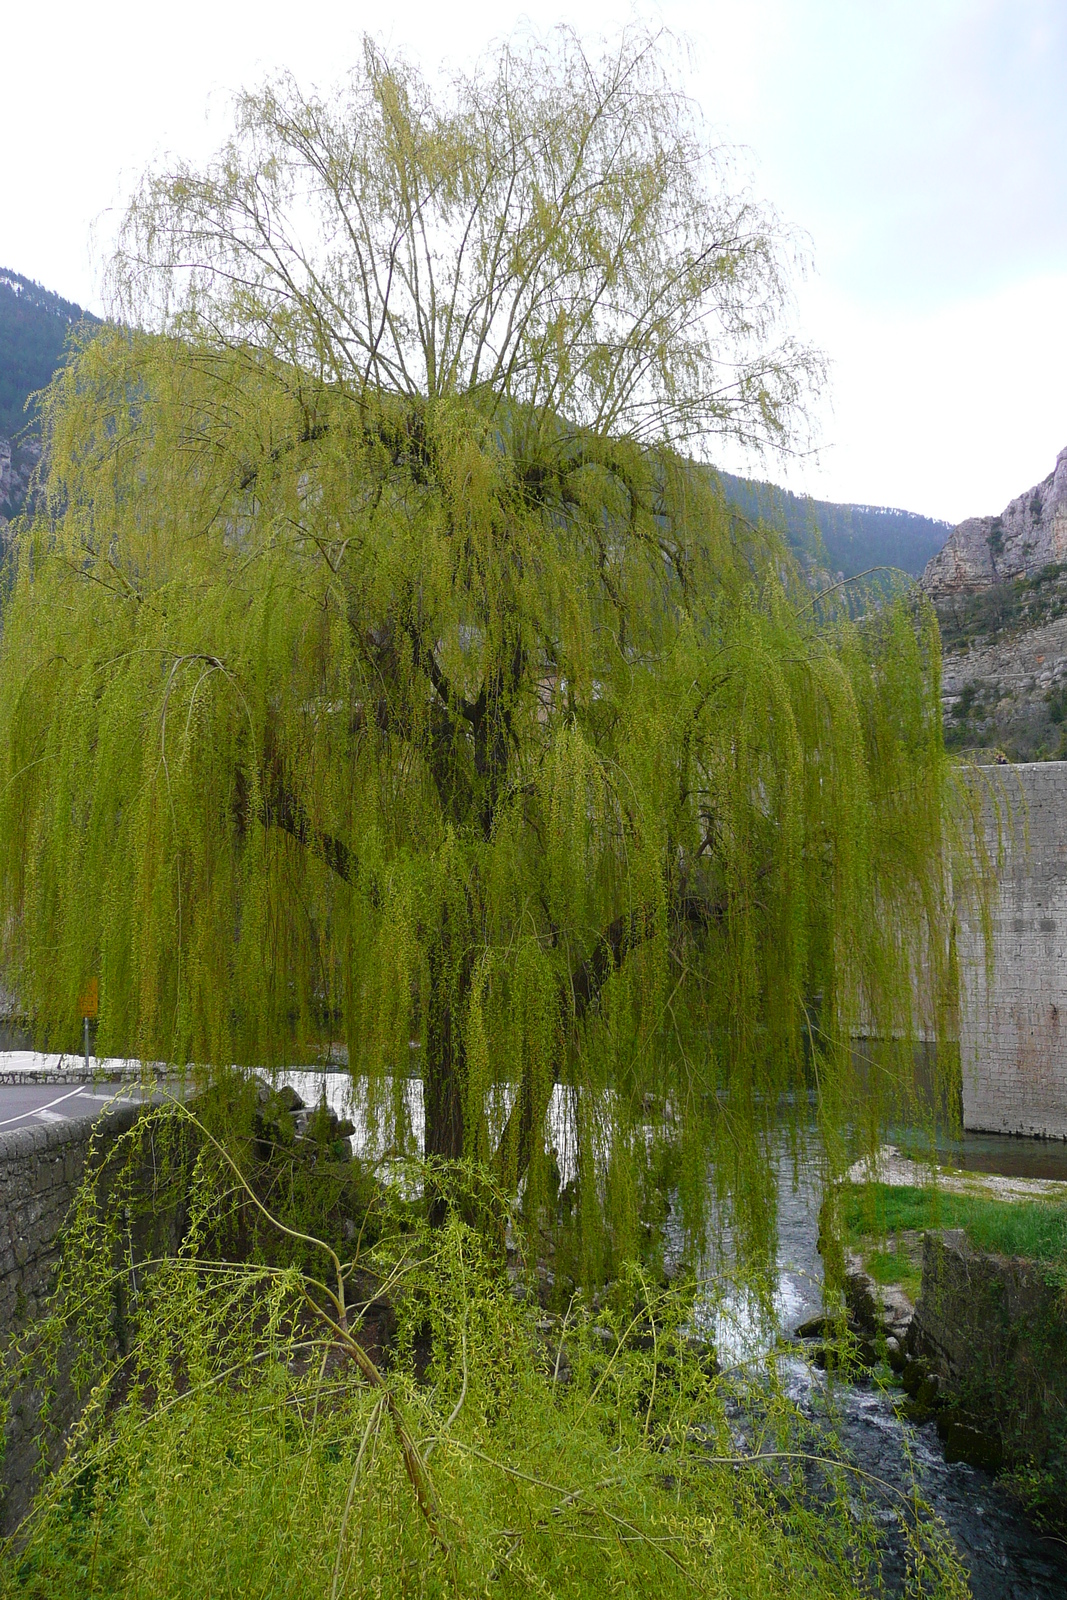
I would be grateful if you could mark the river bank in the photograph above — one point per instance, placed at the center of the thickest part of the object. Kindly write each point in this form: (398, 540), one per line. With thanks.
(868, 1416)
(871, 1418)
(964, 1342)
(868, 1419)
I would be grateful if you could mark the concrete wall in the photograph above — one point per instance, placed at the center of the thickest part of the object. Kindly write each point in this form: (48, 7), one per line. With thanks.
(1013, 1031)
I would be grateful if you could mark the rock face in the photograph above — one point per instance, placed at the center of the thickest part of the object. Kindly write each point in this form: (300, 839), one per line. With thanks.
(1029, 534)
(1007, 690)
(18, 458)
(1000, 589)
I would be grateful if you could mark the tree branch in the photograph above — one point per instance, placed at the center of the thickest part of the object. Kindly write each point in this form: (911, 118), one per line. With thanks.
(283, 810)
(279, 807)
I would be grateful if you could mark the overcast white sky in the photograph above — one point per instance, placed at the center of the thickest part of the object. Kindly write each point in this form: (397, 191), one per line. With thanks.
(921, 143)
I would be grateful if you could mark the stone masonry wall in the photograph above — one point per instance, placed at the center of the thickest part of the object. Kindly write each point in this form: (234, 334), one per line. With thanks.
(995, 1330)
(1013, 1031)
(40, 1170)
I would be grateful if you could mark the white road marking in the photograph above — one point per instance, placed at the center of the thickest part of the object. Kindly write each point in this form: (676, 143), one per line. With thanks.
(37, 1111)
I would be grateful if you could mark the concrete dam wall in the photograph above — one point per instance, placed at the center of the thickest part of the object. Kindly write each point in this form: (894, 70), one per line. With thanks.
(1013, 1027)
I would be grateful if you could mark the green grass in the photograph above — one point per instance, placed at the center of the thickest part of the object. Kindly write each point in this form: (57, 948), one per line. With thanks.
(895, 1266)
(1035, 1229)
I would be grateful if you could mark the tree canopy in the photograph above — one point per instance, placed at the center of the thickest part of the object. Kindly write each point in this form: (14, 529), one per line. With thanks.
(553, 237)
(382, 667)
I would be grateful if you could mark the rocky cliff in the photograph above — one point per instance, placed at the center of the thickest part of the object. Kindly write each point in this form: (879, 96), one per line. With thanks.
(1000, 588)
(18, 458)
(1029, 535)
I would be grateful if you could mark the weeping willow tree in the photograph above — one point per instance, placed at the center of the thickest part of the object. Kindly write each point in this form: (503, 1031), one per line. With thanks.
(384, 668)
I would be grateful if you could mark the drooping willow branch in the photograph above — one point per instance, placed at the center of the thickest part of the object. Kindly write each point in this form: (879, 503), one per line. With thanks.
(417, 1470)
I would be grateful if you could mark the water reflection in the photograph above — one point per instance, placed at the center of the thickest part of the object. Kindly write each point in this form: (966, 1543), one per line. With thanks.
(742, 1324)
(1010, 1155)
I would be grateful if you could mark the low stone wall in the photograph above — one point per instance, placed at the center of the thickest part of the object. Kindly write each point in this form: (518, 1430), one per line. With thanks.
(40, 1171)
(995, 1331)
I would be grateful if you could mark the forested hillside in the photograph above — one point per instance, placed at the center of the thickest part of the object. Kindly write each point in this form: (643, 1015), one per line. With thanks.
(844, 538)
(34, 327)
(34, 324)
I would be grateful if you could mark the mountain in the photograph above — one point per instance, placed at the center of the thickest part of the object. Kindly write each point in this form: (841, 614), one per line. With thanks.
(1000, 588)
(34, 327)
(846, 539)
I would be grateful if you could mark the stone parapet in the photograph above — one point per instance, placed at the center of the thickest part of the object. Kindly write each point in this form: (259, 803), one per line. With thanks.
(41, 1168)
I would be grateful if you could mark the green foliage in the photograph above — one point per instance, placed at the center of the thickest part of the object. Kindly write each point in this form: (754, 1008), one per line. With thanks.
(381, 671)
(554, 233)
(310, 1184)
(258, 1450)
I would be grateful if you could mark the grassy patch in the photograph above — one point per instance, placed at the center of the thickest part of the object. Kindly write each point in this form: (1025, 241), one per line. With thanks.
(1035, 1229)
(895, 1265)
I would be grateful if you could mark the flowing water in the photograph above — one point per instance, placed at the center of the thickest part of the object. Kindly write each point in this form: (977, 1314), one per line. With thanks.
(1006, 1558)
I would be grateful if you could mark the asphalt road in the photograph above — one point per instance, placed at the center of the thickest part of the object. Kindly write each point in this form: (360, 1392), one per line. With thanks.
(27, 1104)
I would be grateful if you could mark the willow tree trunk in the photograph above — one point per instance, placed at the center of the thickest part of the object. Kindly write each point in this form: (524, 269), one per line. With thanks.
(443, 1075)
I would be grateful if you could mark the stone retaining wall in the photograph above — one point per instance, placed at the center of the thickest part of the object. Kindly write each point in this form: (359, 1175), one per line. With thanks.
(40, 1170)
(995, 1331)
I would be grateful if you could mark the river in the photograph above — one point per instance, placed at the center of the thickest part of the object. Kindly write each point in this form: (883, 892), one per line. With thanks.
(1005, 1556)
